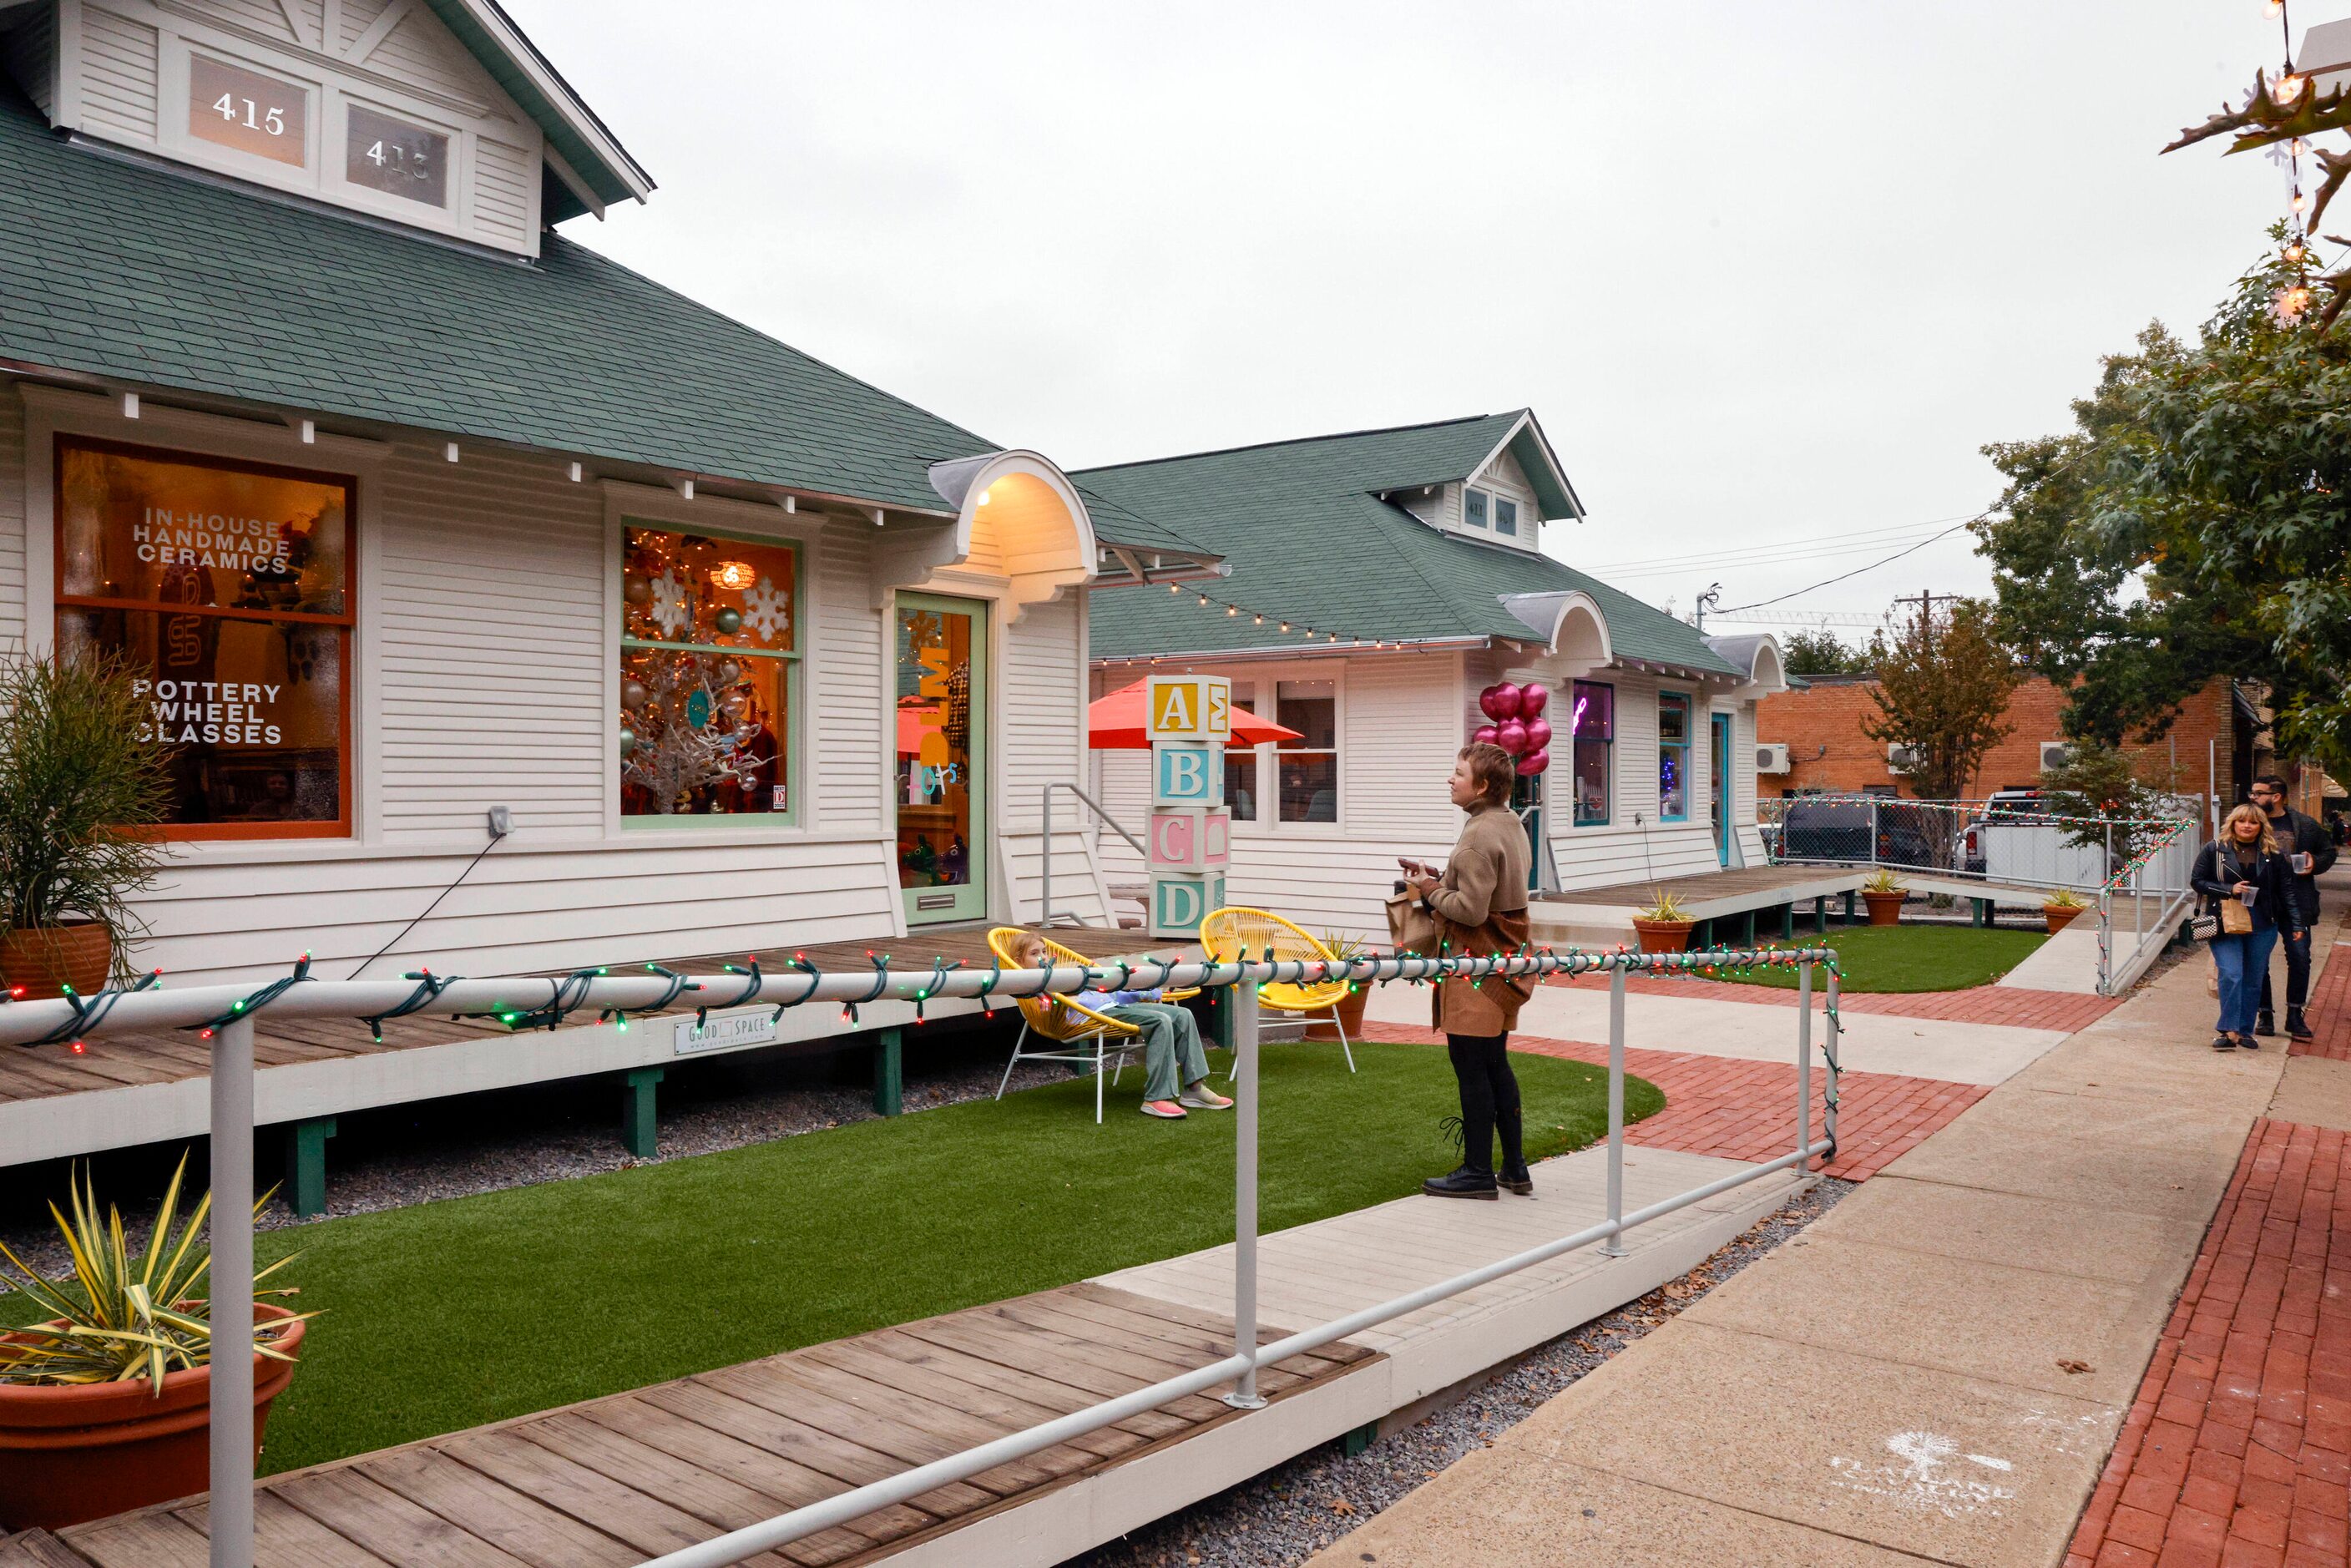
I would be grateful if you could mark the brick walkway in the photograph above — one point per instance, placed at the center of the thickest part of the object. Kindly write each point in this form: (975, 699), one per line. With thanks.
(2329, 1014)
(2010, 1005)
(1746, 1110)
(2238, 1450)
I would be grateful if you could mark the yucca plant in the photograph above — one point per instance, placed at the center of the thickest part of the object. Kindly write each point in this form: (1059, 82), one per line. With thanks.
(2065, 898)
(1663, 905)
(124, 1317)
(1881, 881)
(1342, 949)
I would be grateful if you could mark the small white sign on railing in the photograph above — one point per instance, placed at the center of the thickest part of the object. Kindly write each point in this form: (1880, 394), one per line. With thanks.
(723, 1031)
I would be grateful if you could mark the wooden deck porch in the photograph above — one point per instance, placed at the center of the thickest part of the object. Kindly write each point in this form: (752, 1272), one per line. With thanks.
(615, 1481)
(123, 1090)
(1769, 903)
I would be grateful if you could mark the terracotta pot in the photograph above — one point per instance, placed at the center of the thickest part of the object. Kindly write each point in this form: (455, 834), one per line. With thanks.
(1662, 936)
(1884, 908)
(2059, 916)
(44, 959)
(82, 1451)
(1350, 1015)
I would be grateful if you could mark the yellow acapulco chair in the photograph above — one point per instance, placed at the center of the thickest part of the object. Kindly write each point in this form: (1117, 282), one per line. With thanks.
(1238, 935)
(1082, 1034)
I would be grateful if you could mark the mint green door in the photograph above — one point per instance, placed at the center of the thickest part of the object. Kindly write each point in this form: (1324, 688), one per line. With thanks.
(940, 785)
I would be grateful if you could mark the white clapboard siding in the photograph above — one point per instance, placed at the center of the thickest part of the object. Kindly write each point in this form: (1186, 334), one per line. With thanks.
(1042, 741)
(264, 17)
(491, 654)
(519, 910)
(844, 646)
(505, 178)
(12, 521)
(28, 53)
(420, 52)
(119, 76)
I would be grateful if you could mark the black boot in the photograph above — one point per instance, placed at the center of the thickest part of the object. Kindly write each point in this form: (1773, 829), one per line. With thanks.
(2265, 1024)
(1463, 1182)
(1519, 1180)
(2295, 1028)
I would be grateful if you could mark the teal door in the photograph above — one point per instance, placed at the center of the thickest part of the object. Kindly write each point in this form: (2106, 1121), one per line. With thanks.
(940, 784)
(1722, 790)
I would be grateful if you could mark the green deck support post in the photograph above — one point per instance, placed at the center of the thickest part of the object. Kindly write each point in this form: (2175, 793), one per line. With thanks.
(1788, 921)
(1747, 929)
(637, 1110)
(889, 1073)
(1362, 1437)
(1849, 896)
(1821, 915)
(1983, 910)
(306, 1165)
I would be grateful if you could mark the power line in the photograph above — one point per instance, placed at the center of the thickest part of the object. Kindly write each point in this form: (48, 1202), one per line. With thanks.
(1883, 534)
(1711, 563)
(1856, 572)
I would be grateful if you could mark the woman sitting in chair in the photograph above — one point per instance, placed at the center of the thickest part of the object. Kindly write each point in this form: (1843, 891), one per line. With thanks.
(1171, 1042)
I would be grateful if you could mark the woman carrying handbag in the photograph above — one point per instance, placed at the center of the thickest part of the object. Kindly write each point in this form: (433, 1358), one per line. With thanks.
(2247, 886)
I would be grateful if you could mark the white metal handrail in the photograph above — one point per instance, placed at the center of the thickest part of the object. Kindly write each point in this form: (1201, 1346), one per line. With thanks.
(226, 1015)
(1045, 916)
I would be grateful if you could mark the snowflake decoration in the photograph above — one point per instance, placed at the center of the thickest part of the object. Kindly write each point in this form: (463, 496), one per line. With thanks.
(767, 610)
(669, 608)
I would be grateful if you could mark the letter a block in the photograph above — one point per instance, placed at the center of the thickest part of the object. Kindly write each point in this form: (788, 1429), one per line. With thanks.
(1187, 773)
(1189, 707)
(1178, 903)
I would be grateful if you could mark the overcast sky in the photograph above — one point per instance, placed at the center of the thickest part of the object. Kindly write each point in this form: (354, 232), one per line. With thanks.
(1769, 274)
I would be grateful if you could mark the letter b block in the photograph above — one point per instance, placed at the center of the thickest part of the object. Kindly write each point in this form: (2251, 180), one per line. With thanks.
(1187, 773)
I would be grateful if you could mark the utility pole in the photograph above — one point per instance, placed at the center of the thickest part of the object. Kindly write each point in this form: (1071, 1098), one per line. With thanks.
(1707, 600)
(1926, 601)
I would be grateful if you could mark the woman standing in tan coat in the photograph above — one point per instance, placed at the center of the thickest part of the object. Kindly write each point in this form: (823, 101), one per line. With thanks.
(1480, 905)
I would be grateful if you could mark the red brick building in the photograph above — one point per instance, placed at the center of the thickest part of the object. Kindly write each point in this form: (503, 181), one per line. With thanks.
(2214, 747)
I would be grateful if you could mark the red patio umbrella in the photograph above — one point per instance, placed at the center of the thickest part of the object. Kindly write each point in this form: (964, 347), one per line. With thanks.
(1115, 723)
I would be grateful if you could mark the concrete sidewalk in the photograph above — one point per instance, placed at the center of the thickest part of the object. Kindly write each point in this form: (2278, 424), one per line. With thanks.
(1936, 1370)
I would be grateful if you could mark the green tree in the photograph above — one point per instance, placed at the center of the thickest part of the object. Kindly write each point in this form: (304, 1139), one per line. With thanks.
(1822, 653)
(2194, 523)
(1943, 686)
(2098, 781)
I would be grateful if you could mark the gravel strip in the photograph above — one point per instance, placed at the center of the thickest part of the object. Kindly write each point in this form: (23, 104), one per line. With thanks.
(473, 1144)
(1293, 1510)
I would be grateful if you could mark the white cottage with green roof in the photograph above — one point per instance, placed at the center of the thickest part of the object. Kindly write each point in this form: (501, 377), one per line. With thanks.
(409, 507)
(1376, 583)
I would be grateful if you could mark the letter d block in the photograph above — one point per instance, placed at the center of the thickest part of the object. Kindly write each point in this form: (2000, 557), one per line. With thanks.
(1187, 773)
(1179, 903)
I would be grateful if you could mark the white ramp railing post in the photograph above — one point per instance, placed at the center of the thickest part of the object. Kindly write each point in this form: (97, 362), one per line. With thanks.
(1244, 1395)
(1805, 1063)
(231, 1296)
(1829, 1052)
(1614, 1246)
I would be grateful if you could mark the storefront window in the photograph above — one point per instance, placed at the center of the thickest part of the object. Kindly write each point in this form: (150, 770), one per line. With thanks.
(1673, 757)
(1592, 720)
(709, 654)
(1307, 766)
(227, 586)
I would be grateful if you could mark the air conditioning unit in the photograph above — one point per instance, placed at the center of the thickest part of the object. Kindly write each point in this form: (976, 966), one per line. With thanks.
(1771, 758)
(1901, 758)
(2055, 753)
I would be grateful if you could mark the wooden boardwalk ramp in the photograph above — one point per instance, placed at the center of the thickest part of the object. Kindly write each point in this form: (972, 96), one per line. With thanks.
(616, 1481)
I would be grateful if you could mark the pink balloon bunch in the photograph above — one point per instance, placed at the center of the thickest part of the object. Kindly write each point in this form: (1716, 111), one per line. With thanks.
(1518, 726)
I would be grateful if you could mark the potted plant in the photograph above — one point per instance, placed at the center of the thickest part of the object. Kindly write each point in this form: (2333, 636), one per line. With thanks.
(1351, 1006)
(2060, 908)
(1884, 893)
(1662, 925)
(81, 787)
(104, 1402)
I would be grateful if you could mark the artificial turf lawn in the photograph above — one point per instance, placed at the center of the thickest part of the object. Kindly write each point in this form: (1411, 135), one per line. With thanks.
(449, 1314)
(1910, 957)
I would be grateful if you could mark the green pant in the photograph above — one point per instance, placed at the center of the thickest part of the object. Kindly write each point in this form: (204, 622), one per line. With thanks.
(1171, 1047)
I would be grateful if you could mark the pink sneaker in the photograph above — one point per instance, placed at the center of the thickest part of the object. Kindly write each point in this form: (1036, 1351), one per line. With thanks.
(1165, 1109)
(1202, 1098)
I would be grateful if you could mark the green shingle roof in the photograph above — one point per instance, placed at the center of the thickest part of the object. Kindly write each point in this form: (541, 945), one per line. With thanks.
(1310, 542)
(115, 267)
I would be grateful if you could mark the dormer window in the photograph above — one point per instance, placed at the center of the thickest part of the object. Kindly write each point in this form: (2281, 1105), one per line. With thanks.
(1505, 516)
(384, 153)
(248, 112)
(1473, 508)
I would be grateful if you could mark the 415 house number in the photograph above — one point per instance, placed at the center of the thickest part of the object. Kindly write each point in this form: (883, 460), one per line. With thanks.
(271, 120)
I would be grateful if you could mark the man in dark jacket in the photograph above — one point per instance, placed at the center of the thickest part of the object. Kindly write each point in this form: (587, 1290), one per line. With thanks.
(2311, 850)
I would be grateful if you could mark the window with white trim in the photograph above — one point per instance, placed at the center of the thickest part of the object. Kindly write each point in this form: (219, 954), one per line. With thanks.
(1474, 502)
(1307, 768)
